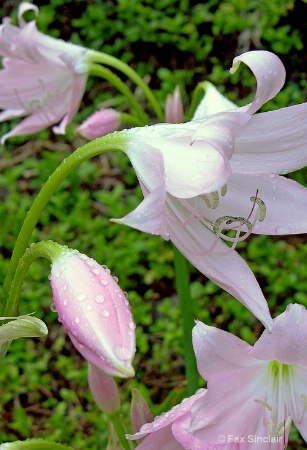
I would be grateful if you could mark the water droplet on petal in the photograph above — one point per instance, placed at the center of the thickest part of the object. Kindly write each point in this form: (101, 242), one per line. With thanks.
(53, 308)
(105, 313)
(99, 299)
(81, 297)
(104, 282)
(77, 320)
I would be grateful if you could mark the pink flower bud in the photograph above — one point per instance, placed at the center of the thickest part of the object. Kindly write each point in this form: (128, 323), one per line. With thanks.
(99, 124)
(94, 311)
(174, 107)
(104, 390)
(139, 411)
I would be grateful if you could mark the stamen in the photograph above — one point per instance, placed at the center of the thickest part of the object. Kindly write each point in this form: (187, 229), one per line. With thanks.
(215, 200)
(206, 200)
(241, 226)
(304, 397)
(262, 207)
(262, 402)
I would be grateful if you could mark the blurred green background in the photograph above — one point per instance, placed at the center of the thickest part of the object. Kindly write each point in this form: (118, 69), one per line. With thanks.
(43, 382)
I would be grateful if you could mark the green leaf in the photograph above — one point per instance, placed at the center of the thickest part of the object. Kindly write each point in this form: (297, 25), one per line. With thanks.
(22, 326)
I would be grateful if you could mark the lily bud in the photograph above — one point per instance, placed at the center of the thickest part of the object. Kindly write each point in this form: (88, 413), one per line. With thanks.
(104, 390)
(94, 311)
(174, 107)
(99, 124)
(139, 411)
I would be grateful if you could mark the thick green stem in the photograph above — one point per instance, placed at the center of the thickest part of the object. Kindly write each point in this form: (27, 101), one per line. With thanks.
(112, 141)
(96, 69)
(103, 58)
(186, 306)
(44, 249)
(119, 430)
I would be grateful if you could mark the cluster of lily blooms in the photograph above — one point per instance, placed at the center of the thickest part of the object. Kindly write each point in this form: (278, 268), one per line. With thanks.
(253, 392)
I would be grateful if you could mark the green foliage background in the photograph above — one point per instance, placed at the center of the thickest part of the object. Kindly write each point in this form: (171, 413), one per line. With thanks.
(43, 382)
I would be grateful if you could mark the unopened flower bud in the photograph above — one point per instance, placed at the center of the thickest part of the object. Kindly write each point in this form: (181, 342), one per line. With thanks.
(139, 411)
(94, 311)
(104, 390)
(99, 124)
(174, 107)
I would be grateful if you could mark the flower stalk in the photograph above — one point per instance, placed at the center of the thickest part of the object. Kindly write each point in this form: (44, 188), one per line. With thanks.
(87, 151)
(186, 306)
(103, 58)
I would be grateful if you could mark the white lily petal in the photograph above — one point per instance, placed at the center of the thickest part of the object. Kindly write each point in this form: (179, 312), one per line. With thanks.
(272, 142)
(149, 216)
(269, 72)
(212, 102)
(226, 269)
(23, 7)
(220, 131)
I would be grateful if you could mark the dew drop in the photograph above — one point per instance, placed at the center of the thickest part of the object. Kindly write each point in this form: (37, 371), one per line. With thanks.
(65, 301)
(53, 308)
(105, 313)
(81, 297)
(96, 271)
(77, 320)
(99, 299)
(89, 307)
(104, 282)
(132, 325)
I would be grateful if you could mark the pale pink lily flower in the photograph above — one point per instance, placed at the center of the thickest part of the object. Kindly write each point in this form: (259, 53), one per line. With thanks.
(98, 124)
(219, 172)
(254, 392)
(43, 78)
(94, 311)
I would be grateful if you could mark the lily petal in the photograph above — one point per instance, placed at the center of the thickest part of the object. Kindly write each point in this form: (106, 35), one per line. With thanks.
(24, 7)
(149, 216)
(273, 141)
(212, 102)
(184, 176)
(269, 72)
(288, 342)
(220, 348)
(220, 131)
(229, 271)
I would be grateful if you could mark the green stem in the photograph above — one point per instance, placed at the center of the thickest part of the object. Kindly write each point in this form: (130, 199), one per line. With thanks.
(103, 58)
(112, 141)
(96, 69)
(186, 306)
(119, 430)
(44, 249)
(129, 119)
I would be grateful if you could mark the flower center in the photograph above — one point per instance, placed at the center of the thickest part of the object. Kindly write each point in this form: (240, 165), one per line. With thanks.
(281, 398)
